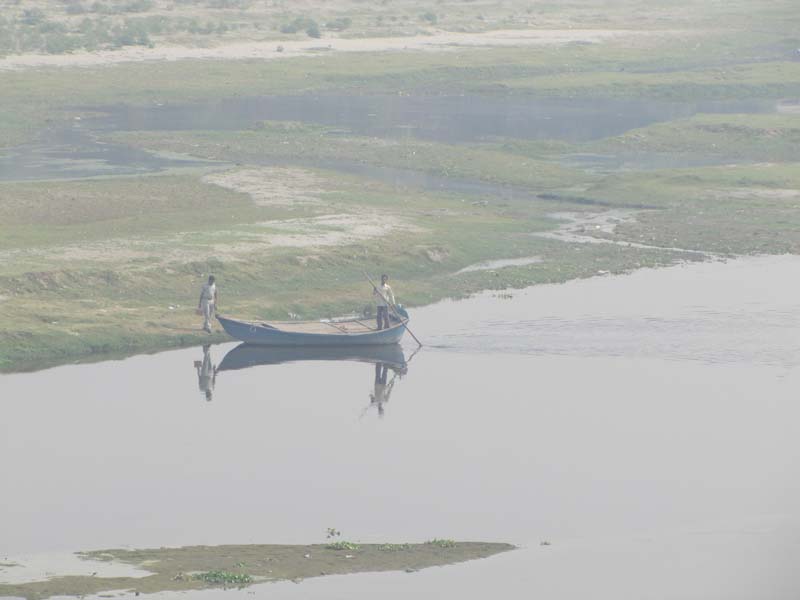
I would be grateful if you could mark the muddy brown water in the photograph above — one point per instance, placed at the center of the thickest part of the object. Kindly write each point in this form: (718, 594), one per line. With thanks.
(644, 425)
(78, 151)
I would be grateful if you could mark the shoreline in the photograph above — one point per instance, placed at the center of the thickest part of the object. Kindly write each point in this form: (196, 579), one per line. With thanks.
(187, 568)
(148, 345)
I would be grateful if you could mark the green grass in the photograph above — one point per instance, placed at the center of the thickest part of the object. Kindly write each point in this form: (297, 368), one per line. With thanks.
(313, 143)
(58, 213)
(746, 209)
(731, 82)
(725, 137)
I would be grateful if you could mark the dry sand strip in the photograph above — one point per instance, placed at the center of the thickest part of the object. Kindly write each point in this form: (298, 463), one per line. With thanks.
(267, 50)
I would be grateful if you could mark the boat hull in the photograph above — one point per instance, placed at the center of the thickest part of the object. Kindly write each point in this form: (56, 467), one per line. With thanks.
(267, 335)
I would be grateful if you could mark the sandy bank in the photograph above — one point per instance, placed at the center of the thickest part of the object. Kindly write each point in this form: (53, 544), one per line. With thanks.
(270, 49)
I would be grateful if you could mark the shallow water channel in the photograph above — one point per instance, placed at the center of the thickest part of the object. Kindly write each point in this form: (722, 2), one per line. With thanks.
(644, 425)
(78, 149)
(440, 117)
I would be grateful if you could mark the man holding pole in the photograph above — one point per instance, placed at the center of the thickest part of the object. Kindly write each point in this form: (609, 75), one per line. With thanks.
(384, 299)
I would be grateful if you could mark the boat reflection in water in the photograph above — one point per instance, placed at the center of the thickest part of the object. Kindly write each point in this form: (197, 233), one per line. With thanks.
(206, 373)
(251, 355)
(386, 358)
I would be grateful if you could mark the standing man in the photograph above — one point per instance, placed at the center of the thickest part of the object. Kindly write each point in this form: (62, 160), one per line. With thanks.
(208, 302)
(384, 298)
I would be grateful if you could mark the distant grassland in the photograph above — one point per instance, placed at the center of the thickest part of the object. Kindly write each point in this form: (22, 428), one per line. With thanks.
(764, 79)
(667, 67)
(723, 138)
(729, 137)
(81, 25)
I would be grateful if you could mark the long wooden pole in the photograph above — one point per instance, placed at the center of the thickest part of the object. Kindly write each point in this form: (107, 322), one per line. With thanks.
(394, 308)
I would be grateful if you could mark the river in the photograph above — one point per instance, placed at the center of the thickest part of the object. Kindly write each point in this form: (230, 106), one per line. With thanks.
(645, 426)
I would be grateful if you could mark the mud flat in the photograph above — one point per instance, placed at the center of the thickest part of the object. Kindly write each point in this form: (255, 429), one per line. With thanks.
(200, 567)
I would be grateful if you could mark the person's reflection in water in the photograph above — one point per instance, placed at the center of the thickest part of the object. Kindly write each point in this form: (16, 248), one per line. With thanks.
(206, 373)
(383, 390)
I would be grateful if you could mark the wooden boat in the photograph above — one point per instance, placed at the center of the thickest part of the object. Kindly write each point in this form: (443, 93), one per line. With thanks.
(345, 332)
(244, 356)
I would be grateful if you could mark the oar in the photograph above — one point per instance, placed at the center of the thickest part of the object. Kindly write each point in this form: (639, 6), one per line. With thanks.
(413, 354)
(389, 387)
(394, 308)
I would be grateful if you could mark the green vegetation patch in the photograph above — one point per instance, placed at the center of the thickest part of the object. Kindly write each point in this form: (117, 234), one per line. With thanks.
(200, 567)
(341, 545)
(723, 137)
(225, 578)
(45, 214)
(296, 141)
(743, 209)
(730, 82)
(394, 547)
(442, 543)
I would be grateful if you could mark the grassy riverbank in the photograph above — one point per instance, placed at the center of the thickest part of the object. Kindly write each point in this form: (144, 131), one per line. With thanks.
(113, 264)
(108, 282)
(202, 567)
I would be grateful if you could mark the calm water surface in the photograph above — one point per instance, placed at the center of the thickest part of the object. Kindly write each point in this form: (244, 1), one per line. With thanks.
(78, 150)
(645, 425)
(444, 118)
